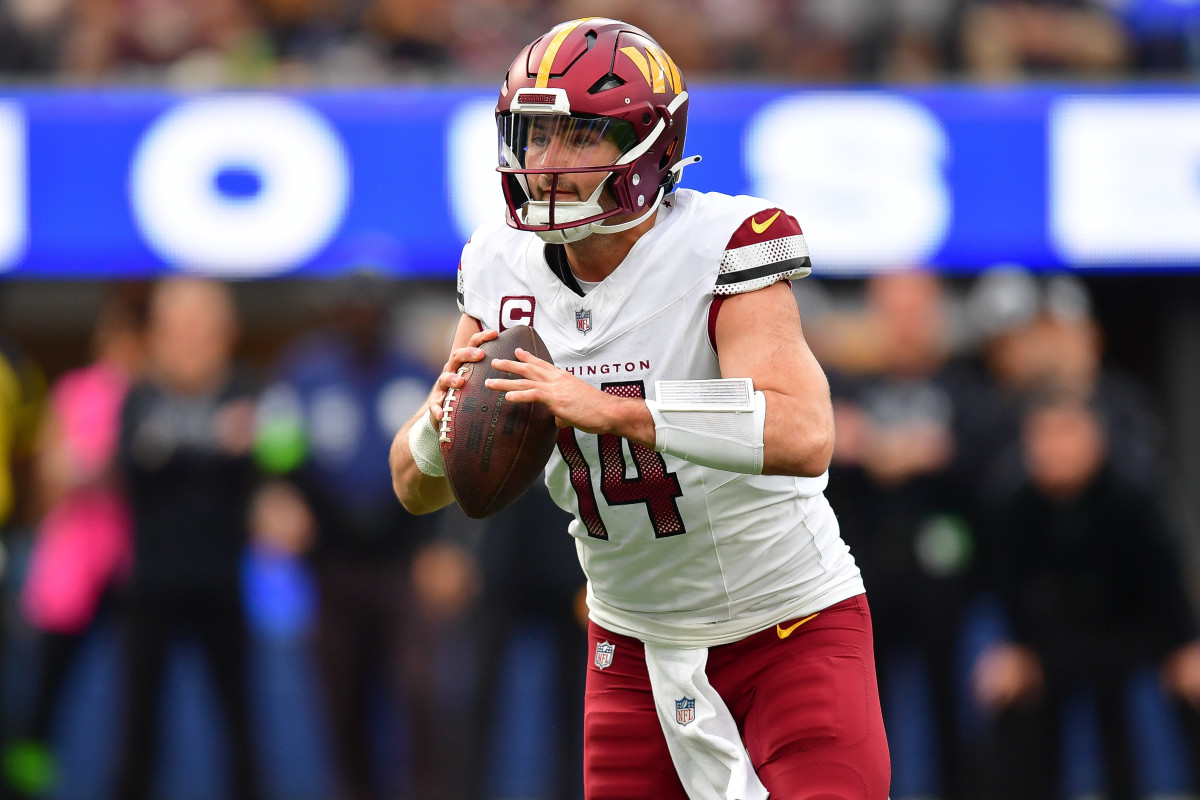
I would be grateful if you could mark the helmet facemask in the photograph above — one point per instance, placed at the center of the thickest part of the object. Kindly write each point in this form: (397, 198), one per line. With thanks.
(557, 167)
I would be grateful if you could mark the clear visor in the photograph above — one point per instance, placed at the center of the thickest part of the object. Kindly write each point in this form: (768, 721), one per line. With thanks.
(548, 141)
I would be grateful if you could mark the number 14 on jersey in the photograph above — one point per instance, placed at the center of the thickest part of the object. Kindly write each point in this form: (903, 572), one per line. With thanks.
(652, 485)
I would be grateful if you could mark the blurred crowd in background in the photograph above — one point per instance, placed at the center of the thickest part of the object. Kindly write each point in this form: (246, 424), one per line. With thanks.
(245, 42)
(1005, 489)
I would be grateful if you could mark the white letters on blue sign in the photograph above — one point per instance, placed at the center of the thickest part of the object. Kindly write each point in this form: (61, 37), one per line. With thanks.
(244, 186)
(14, 214)
(1125, 179)
(862, 173)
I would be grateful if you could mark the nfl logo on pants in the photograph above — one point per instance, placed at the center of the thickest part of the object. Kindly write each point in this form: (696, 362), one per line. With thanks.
(604, 654)
(685, 710)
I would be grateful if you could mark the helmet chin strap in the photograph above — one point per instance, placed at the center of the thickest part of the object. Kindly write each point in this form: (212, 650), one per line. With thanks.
(538, 212)
(600, 227)
(676, 172)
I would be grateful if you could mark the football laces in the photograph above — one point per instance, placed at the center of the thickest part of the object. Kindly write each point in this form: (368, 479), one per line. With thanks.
(448, 407)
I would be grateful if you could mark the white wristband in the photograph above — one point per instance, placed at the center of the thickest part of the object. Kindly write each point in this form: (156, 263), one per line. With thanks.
(423, 444)
(716, 423)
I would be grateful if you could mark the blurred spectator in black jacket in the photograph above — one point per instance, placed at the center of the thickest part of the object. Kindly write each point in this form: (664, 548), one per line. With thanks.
(1039, 333)
(185, 452)
(905, 510)
(1086, 566)
(325, 426)
(531, 576)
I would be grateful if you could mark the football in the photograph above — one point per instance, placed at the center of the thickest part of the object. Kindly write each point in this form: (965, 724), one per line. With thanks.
(493, 449)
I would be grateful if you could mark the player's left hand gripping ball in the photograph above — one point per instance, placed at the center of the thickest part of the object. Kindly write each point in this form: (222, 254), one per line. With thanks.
(494, 449)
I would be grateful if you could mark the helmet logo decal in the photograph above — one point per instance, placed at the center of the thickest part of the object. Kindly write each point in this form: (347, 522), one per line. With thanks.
(656, 67)
(543, 75)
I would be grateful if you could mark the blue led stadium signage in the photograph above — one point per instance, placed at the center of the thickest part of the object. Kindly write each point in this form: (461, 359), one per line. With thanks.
(241, 185)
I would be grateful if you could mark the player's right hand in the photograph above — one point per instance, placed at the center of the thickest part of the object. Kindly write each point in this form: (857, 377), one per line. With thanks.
(450, 379)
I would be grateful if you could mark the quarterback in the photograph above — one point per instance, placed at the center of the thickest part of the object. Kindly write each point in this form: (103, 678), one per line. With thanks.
(730, 651)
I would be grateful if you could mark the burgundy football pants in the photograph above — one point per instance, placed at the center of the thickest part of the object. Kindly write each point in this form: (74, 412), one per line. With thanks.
(807, 706)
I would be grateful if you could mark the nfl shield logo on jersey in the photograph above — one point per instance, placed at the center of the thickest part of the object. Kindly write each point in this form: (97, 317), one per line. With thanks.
(604, 654)
(685, 710)
(583, 319)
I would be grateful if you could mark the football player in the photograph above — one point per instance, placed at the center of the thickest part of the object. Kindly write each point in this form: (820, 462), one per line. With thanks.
(730, 638)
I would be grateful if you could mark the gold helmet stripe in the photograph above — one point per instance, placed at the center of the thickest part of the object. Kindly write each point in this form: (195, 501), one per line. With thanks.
(639, 61)
(676, 81)
(661, 76)
(543, 76)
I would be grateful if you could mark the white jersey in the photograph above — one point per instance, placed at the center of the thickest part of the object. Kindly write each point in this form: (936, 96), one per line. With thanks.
(674, 552)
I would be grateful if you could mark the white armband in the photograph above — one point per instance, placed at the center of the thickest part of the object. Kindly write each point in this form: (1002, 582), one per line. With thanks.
(423, 444)
(715, 423)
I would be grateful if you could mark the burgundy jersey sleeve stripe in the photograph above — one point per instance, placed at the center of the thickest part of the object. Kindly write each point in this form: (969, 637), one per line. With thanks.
(713, 310)
(767, 247)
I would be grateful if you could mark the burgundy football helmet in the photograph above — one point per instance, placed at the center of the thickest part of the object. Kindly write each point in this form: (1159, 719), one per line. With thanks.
(593, 100)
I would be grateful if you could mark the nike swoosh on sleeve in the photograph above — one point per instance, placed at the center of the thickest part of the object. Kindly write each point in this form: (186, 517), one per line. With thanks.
(762, 227)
